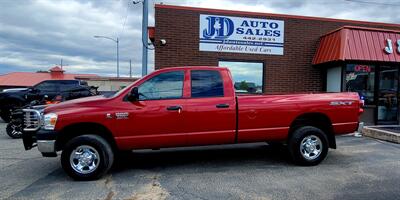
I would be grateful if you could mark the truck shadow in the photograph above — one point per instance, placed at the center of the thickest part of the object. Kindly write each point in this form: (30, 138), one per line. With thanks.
(206, 156)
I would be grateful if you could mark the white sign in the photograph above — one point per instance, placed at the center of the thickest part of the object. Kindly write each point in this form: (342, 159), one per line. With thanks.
(241, 35)
(389, 46)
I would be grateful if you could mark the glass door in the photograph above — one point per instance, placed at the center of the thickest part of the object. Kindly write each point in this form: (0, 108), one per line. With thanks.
(388, 95)
(247, 76)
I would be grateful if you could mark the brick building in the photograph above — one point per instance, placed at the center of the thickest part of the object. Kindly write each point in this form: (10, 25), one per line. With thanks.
(274, 53)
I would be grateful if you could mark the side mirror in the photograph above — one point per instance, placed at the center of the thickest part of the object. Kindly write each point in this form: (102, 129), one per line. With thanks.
(134, 94)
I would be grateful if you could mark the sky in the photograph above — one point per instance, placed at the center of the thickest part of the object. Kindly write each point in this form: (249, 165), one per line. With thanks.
(37, 34)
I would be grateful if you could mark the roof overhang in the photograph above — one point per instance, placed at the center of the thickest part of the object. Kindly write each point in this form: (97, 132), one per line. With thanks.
(351, 43)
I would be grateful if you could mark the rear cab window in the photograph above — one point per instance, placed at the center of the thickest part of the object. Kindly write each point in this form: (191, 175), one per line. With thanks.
(66, 85)
(206, 83)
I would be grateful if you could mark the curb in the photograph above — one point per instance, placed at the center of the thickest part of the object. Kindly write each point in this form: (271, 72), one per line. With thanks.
(375, 132)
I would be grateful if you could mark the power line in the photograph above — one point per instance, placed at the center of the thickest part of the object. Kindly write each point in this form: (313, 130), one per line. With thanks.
(374, 3)
(126, 17)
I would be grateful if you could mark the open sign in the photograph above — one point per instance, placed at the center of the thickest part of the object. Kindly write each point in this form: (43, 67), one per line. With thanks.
(362, 68)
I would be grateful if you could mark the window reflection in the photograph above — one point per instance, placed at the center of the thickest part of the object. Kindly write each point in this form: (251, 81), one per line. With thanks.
(361, 79)
(168, 85)
(247, 76)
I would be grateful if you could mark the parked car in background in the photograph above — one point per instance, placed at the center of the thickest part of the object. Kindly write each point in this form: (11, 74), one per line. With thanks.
(187, 106)
(15, 127)
(12, 99)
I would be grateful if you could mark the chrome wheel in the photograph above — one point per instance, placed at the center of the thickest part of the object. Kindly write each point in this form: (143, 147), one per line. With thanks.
(311, 147)
(16, 130)
(84, 159)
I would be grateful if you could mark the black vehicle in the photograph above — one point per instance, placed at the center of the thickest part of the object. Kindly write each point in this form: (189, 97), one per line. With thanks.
(67, 89)
(15, 126)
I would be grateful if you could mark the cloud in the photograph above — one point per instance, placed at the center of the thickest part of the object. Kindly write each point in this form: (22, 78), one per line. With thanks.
(37, 34)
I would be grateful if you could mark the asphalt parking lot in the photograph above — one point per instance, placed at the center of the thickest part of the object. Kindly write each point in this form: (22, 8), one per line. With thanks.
(360, 168)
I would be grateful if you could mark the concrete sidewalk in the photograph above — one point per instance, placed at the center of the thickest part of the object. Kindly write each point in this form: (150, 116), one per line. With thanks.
(390, 133)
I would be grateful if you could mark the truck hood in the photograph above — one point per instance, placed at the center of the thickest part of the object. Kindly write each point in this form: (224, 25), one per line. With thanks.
(12, 90)
(93, 101)
(12, 93)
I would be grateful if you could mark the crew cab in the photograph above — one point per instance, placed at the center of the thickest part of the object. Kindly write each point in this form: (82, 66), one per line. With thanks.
(187, 106)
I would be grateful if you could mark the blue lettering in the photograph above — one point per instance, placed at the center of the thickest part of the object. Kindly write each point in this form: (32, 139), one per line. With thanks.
(259, 33)
(254, 24)
(239, 30)
(277, 33)
(249, 32)
(245, 23)
(264, 24)
(273, 25)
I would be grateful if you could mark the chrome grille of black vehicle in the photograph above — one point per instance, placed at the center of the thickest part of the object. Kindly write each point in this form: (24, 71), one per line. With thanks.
(32, 119)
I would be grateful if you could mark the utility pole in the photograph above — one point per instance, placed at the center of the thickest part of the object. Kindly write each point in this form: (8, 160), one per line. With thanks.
(61, 64)
(130, 68)
(144, 36)
(144, 33)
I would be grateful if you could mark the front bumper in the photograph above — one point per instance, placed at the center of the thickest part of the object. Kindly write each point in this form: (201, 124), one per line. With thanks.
(45, 141)
(46, 146)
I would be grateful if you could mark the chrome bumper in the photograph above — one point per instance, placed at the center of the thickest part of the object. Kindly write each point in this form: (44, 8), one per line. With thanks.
(46, 146)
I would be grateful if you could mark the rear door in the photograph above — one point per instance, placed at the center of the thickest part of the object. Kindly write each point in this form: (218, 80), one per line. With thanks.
(210, 112)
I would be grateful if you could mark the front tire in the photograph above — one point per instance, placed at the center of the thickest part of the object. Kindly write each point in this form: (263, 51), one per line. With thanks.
(87, 157)
(308, 146)
(5, 116)
(14, 130)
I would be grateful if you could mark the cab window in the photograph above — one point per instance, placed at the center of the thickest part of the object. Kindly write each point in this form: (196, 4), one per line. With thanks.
(206, 83)
(168, 85)
(47, 86)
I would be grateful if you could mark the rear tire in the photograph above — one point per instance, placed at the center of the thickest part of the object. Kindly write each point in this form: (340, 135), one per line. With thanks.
(308, 146)
(87, 157)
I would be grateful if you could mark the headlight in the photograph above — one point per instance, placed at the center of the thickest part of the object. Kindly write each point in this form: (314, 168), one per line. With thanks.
(50, 121)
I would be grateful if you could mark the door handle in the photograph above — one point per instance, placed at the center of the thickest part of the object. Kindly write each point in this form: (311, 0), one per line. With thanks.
(222, 105)
(174, 108)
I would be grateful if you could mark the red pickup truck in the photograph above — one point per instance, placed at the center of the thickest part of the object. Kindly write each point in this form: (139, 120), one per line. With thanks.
(187, 106)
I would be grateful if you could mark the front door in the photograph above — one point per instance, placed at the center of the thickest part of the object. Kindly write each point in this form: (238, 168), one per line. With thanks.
(155, 120)
(388, 95)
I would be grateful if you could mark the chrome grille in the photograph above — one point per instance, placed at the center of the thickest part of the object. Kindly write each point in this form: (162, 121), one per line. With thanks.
(32, 119)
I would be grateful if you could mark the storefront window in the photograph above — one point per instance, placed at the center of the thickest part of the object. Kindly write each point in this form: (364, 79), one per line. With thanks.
(247, 76)
(361, 79)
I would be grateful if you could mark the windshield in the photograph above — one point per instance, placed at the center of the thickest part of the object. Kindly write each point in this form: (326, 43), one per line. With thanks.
(121, 90)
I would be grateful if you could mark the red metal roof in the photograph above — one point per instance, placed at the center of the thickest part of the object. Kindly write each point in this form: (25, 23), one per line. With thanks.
(357, 44)
(27, 79)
